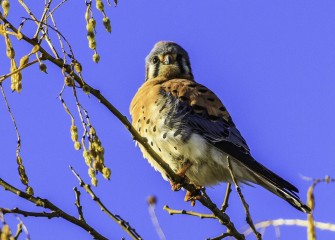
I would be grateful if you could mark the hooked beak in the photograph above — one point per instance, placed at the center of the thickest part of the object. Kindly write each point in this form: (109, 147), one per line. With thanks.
(168, 59)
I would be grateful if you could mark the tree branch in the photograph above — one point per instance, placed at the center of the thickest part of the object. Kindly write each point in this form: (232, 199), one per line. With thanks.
(191, 213)
(125, 225)
(245, 204)
(291, 222)
(29, 214)
(45, 203)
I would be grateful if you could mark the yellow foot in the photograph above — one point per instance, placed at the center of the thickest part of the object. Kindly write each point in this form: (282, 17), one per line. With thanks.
(189, 197)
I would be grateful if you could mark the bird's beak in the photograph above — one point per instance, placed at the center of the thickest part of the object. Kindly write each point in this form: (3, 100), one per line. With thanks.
(168, 59)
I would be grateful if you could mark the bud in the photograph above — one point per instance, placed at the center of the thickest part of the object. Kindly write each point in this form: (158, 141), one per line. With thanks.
(152, 200)
(35, 49)
(74, 137)
(77, 145)
(92, 44)
(96, 57)
(107, 24)
(10, 52)
(19, 36)
(24, 60)
(73, 128)
(97, 165)
(90, 29)
(30, 190)
(19, 76)
(78, 67)
(19, 160)
(13, 86)
(43, 67)
(87, 157)
(68, 81)
(19, 87)
(99, 5)
(5, 231)
(92, 131)
(94, 181)
(91, 172)
(106, 173)
(92, 22)
(86, 89)
(5, 6)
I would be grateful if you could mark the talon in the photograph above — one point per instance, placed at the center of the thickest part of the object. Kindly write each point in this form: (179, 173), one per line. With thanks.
(175, 186)
(182, 171)
(189, 197)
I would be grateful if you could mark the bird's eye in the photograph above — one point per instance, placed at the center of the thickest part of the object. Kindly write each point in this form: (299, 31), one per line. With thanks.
(155, 60)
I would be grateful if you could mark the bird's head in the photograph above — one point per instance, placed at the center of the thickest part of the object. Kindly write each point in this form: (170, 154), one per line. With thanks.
(168, 60)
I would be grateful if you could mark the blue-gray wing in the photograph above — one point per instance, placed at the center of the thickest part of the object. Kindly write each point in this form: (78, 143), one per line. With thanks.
(195, 109)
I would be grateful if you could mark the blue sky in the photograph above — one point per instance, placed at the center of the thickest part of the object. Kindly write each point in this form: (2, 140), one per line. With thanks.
(270, 62)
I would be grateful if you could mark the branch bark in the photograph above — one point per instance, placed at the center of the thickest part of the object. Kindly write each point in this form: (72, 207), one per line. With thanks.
(49, 205)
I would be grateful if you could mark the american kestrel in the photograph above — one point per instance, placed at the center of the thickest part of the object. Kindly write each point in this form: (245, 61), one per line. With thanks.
(191, 130)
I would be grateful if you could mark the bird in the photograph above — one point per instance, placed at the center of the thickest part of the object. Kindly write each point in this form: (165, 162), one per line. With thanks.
(188, 126)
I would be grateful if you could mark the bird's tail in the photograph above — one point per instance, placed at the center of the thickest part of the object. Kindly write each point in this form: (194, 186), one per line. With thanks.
(274, 183)
(290, 196)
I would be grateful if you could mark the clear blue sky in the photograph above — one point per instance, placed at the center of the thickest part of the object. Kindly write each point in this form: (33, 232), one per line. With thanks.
(271, 63)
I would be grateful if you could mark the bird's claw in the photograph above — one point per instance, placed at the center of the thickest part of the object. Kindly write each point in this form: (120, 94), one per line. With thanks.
(192, 197)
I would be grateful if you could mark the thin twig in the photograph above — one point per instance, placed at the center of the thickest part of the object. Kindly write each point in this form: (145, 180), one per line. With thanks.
(59, 37)
(45, 203)
(154, 220)
(4, 77)
(23, 227)
(245, 204)
(55, 8)
(222, 236)
(43, 19)
(225, 204)
(291, 222)
(78, 205)
(191, 213)
(125, 225)
(18, 147)
(18, 231)
(29, 213)
(311, 233)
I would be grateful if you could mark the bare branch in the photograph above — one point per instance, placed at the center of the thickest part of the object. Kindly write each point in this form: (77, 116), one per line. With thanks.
(78, 205)
(45, 203)
(4, 77)
(191, 213)
(30, 214)
(222, 236)
(291, 222)
(225, 204)
(152, 204)
(245, 204)
(125, 225)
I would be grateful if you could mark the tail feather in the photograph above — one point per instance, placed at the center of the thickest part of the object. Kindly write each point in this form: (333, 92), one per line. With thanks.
(259, 174)
(274, 183)
(289, 196)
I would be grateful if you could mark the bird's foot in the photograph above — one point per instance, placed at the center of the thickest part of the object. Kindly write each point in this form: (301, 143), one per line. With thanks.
(192, 197)
(175, 186)
(182, 171)
(182, 174)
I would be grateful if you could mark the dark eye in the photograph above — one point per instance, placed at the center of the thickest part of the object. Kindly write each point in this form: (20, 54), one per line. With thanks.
(155, 59)
(179, 57)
